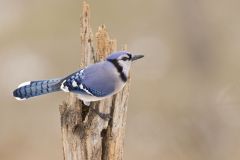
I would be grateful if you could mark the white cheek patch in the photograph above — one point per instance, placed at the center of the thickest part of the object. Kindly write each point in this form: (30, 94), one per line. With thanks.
(126, 66)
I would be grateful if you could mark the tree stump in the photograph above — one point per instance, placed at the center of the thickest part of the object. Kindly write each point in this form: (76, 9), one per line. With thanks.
(85, 135)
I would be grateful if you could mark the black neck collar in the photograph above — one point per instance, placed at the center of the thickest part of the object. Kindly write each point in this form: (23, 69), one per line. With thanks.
(119, 69)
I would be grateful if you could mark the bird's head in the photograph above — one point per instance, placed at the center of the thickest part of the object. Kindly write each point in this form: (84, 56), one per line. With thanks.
(122, 60)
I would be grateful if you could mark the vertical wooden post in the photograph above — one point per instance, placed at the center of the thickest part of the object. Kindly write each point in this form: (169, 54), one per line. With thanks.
(85, 135)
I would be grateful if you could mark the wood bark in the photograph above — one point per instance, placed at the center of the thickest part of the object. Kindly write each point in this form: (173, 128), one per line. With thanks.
(85, 135)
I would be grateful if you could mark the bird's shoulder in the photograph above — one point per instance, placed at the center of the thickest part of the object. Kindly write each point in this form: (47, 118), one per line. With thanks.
(91, 80)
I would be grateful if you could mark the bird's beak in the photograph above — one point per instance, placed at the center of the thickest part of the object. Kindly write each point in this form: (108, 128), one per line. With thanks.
(135, 57)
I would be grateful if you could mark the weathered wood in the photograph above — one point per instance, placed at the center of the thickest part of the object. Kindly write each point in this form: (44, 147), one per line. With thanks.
(85, 135)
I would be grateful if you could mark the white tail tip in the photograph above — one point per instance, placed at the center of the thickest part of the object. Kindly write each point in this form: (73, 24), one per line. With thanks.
(24, 84)
(20, 99)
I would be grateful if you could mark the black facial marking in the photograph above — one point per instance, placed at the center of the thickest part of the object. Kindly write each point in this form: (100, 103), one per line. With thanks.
(130, 56)
(125, 58)
(119, 69)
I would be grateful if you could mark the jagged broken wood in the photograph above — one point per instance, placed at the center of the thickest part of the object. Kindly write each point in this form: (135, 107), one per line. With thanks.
(85, 135)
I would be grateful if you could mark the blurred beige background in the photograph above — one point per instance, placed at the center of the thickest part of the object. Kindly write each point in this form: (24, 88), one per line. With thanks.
(184, 102)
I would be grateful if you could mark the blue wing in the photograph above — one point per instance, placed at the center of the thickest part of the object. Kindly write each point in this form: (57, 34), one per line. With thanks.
(94, 80)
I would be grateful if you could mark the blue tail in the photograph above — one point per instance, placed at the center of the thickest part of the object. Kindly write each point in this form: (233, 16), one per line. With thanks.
(35, 88)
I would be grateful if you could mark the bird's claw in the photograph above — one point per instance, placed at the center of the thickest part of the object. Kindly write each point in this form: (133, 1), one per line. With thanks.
(104, 116)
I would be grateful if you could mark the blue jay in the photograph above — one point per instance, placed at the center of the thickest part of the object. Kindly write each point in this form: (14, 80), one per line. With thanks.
(93, 83)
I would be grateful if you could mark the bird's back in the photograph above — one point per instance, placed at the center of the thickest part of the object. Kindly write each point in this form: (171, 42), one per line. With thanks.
(102, 77)
(94, 82)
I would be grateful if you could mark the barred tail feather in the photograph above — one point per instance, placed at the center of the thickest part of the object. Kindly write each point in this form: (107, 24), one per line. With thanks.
(35, 88)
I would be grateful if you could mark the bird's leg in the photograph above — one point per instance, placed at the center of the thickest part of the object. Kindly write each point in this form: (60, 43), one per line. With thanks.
(104, 116)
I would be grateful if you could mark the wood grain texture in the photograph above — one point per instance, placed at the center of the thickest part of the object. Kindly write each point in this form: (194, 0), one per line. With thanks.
(85, 135)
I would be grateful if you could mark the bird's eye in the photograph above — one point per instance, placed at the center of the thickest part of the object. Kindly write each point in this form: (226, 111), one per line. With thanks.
(124, 58)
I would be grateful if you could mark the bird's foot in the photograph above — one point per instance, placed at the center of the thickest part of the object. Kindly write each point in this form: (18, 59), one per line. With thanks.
(104, 116)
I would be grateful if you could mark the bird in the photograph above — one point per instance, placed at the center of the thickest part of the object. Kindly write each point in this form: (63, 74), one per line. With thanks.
(92, 83)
